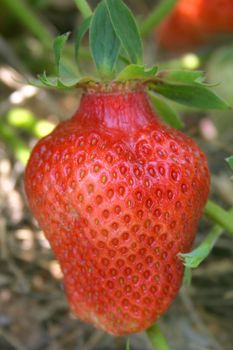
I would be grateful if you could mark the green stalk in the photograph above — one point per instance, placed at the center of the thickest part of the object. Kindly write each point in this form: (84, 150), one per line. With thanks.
(23, 12)
(217, 214)
(84, 8)
(157, 338)
(157, 15)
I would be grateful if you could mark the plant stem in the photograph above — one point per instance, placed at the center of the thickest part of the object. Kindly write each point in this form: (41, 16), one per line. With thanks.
(23, 12)
(157, 338)
(157, 16)
(217, 214)
(84, 8)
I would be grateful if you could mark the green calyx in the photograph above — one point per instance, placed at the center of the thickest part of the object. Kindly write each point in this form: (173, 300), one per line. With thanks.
(117, 52)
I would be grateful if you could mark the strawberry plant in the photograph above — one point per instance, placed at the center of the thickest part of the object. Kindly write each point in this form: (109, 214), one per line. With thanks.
(118, 191)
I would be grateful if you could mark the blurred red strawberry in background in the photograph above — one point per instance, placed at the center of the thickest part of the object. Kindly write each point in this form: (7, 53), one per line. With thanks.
(193, 22)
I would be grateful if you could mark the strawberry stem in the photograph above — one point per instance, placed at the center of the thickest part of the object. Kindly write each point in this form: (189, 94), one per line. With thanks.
(157, 16)
(84, 8)
(217, 214)
(157, 338)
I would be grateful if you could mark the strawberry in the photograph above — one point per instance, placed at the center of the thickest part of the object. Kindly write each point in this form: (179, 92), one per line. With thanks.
(118, 194)
(193, 22)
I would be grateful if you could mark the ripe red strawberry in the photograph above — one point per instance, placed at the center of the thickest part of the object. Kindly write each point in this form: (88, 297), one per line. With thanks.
(118, 195)
(193, 22)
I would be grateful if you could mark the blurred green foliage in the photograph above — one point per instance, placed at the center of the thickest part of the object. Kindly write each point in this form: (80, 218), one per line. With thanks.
(19, 121)
(24, 119)
(17, 146)
(220, 69)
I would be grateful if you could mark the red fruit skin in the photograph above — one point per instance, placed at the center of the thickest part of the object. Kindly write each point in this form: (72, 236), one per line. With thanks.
(118, 195)
(194, 22)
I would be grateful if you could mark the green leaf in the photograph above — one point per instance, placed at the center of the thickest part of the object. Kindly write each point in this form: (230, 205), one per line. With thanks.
(62, 83)
(183, 76)
(194, 258)
(104, 43)
(58, 46)
(68, 81)
(66, 70)
(219, 68)
(80, 34)
(230, 161)
(135, 71)
(47, 81)
(126, 29)
(196, 96)
(52, 82)
(165, 111)
(39, 84)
